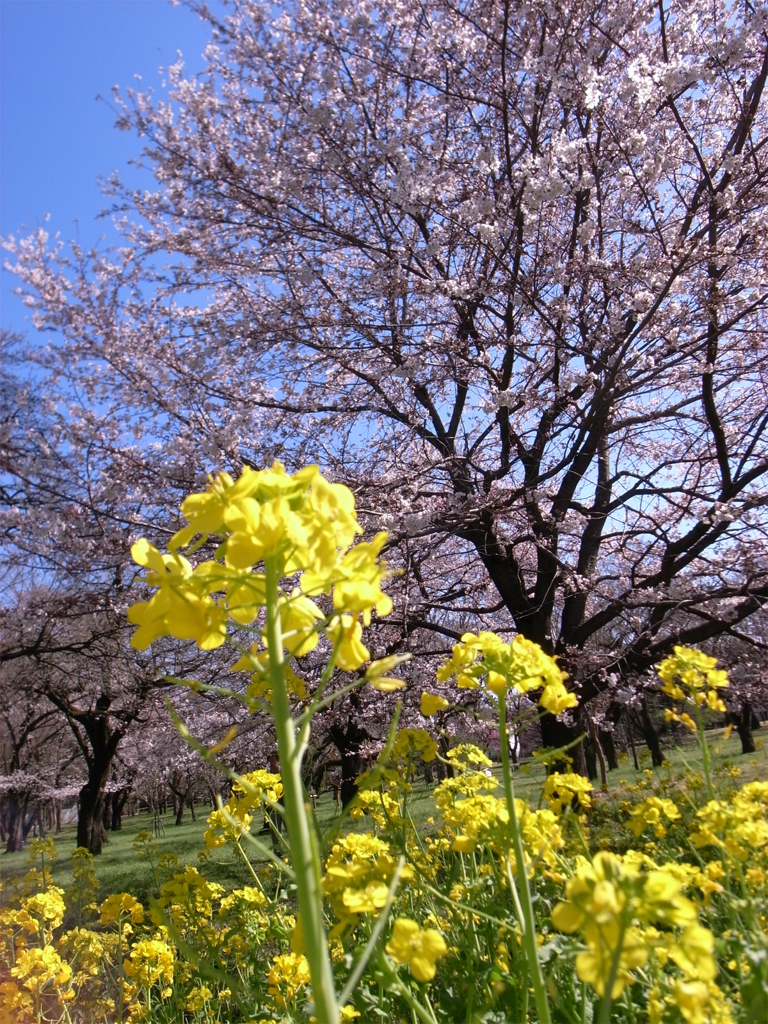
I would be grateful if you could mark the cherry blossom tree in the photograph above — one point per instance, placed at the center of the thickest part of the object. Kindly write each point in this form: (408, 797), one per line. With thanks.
(501, 268)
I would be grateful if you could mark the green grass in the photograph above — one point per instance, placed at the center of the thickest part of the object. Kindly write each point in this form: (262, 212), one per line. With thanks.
(120, 870)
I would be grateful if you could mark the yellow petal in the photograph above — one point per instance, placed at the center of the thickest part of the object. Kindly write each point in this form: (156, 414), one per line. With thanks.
(387, 685)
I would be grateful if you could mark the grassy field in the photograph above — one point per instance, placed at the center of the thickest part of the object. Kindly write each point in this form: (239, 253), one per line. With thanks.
(120, 870)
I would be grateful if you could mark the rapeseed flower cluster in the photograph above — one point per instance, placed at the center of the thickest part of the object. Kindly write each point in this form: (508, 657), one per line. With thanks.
(305, 526)
(250, 793)
(485, 660)
(609, 899)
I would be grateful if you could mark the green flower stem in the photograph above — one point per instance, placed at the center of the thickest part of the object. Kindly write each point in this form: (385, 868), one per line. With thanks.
(604, 1009)
(704, 747)
(305, 860)
(394, 984)
(527, 922)
(378, 928)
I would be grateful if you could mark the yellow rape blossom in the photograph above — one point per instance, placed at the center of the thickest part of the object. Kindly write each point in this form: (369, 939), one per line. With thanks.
(289, 973)
(377, 673)
(608, 898)
(484, 659)
(560, 788)
(303, 524)
(119, 905)
(420, 948)
(739, 826)
(36, 967)
(688, 673)
(357, 876)
(42, 912)
(347, 632)
(197, 999)
(691, 998)
(411, 744)
(431, 703)
(650, 812)
(250, 792)
(15, 1003)
(151, 961)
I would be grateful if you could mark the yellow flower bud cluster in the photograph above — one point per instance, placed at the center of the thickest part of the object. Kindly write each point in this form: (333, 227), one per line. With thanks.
(650, 812)
(42, 912)
(610, 899)
(688, 673)
(151, 962)
(357, 877)
(738, 826)
(420, 948)
(431, 703)
(198, 999)
(473, 817)
(484, 660)
(560, 788)
(251, 792)
(121, 906)
(413, 744)
(383, 806)
(288, 975)
(39, 968)
(304, 526)
(187, 900)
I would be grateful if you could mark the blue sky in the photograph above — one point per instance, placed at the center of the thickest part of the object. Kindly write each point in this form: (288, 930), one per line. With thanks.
(56, 139)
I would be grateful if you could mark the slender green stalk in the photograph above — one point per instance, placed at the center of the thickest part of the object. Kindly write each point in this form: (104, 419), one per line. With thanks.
(704, 747)
(121, 969)
(527, 922)
(303, 853)
(425, 1014)
(604, 1009)
(378, 928)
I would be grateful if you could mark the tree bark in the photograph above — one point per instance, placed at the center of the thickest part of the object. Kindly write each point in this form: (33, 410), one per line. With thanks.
(608, 743)
(348, 742)
(556, 734)
(117, 805)
(651, 736)
(91, 833)
(631, 738)
(590, 757)
(743, 722)
(89, 818)
(15, 842)
(601, 761)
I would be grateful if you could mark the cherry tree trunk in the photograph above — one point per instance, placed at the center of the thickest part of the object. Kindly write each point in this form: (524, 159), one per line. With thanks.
(590, 755)
(117, 805)
(651, 737)
(743, 722)
(348, 742)
(608, 743)
(557, 734)
(15, 842)
(91, 833)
